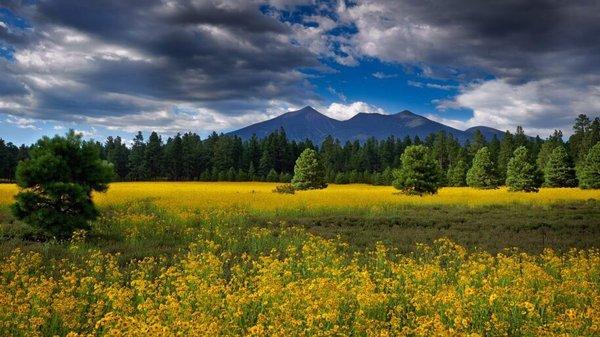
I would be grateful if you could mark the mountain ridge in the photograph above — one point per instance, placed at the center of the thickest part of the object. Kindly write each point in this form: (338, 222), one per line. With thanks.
(308, 123)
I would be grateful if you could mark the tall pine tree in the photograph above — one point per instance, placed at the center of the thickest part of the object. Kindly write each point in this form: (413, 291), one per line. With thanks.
(559, 170)
(521, 174)
(482, 173)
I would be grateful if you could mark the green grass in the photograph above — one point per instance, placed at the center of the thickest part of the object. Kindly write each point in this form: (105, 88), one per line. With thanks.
(492, 228)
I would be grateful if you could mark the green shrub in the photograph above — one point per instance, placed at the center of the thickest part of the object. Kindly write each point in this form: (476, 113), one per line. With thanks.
(285, 189)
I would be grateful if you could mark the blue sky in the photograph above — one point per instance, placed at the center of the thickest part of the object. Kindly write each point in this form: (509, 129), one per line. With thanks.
(108, 68)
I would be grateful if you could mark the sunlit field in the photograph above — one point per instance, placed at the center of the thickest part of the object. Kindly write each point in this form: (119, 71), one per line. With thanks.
(259, 197)
(234, 259)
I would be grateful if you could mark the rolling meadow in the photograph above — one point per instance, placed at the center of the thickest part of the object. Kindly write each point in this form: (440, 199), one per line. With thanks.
(234, 259)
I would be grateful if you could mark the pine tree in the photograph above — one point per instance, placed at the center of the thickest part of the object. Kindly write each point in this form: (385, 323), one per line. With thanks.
(137, 159)
(230, 174)
(521, 174)
(554, 141)
(387, 176)
(57, 182)
(589, 170)
(341, 178)
(419, 173)
(251, 172)
(309, 172)
(117, 154)
(477, 142)
(559, 171)
(154, 156)
(481, 174)
(272, 176)
(241, 175)
(285, 177)
(457, 174)
(507, 148)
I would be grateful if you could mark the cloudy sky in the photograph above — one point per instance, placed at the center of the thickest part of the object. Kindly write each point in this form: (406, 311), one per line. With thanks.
(115, 67)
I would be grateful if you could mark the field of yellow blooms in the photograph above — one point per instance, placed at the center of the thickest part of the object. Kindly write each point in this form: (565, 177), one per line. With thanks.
(304, 289)
(256, 196)
(243, 280)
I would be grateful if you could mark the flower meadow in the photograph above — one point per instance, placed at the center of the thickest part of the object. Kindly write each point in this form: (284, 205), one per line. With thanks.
(258, 196)
(233, 278)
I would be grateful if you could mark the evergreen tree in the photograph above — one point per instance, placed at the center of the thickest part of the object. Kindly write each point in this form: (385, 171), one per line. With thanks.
(272, 176)
(341, 178)
(387, 176)
(118, 154)
(520, 138)
(546, 149)
(309, 172)
(559, 171)
(457, 174)
(353, 177)
(241, 175)
(481, 174)
(252, 172)
(419, 173)
(580, 141)
(9, 158)
(231, 174)
(477, 142)
(137, 159)
(173, 158)
(507, 148)
(154, 156)
(285, 177)
(266, 164)
(57, 183)
(521, 174)
(588, 171)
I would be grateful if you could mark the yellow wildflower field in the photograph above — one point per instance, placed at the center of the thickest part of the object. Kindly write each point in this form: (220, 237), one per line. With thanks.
(310, 289)
(238, 279)
(258, 196)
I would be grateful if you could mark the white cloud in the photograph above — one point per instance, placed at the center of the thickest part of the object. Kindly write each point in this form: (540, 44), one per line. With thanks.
(22, 122)
(91, 133)
(540, 106)
(337, 93)
(431, 85)
(3, 25)
(188, 117)
(341, 111)
(381, 75)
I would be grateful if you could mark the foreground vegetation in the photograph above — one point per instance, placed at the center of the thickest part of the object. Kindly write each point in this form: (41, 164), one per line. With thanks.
(303, 285)
(237, 259)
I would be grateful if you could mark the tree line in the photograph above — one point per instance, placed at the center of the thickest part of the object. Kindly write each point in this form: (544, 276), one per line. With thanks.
(229, 158)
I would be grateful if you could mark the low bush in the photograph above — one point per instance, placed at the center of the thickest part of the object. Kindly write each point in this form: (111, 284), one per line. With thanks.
(285, 189)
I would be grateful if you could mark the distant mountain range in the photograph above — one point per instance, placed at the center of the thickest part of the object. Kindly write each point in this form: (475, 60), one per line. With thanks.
(308, 123)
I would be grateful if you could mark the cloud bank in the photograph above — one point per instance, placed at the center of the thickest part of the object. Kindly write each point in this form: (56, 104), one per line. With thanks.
(190, 64)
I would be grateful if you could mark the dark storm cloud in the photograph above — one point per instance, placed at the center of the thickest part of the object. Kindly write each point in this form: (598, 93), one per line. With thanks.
(151, 55)
(109, 59)
(520, 40)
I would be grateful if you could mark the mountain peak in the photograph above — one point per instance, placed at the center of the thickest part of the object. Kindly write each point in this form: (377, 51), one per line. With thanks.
(308, 123)
(306, 111)
(407, 113)
(308, 108)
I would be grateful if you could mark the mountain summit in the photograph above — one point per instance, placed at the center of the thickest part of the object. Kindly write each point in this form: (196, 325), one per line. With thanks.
(308, 123)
